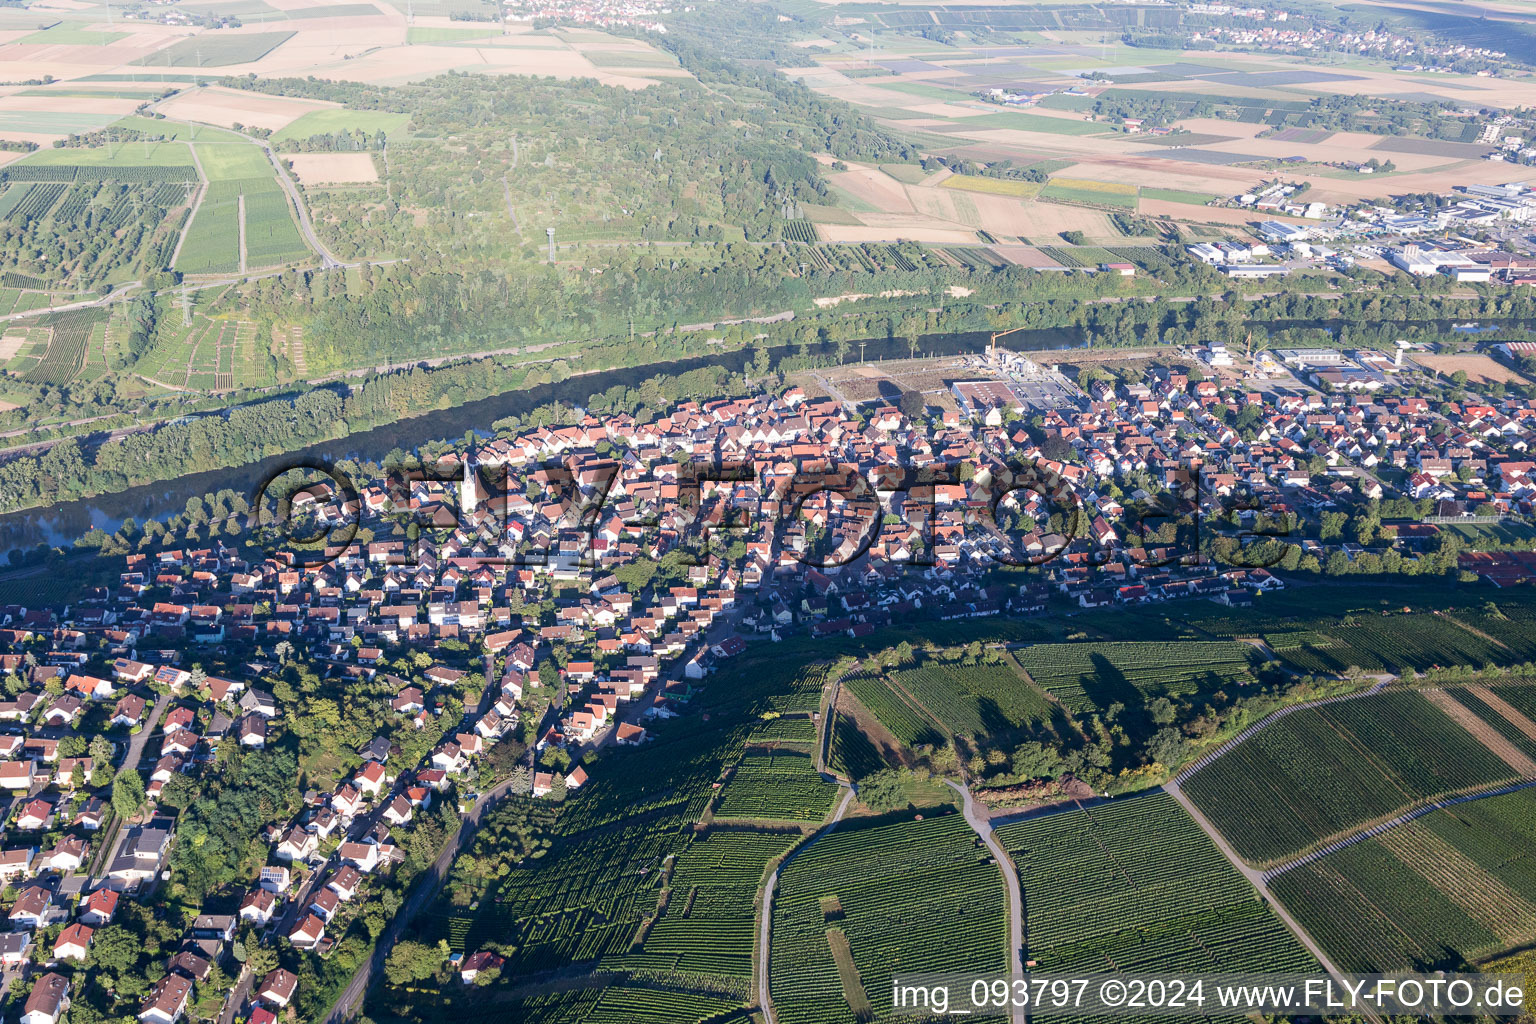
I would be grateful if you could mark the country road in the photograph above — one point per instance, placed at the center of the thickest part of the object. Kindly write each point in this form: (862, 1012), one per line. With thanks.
(983, 828)
(765, 926)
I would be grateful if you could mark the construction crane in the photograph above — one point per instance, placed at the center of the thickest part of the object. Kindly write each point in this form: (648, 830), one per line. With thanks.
(992, 345)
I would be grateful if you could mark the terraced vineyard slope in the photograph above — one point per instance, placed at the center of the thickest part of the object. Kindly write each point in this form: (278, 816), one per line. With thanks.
(1135, 885)
(1453, 887)
(863, 903)
(1324, 771)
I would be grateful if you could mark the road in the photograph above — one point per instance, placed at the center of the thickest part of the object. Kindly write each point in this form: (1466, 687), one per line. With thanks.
(1256, 879)
(131, 760)
(425, 892)
(237, 995)
(982, 825)
(327, 261)
(765, 925)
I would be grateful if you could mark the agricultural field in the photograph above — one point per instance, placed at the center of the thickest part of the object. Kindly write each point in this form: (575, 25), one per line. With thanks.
(56, 350)
(1090, 196)
(271, 234)
(993, 186)
(209, 355)
(781, 786)
(973, 700)
(216, 50)
(97, 230)
(863, 903)
(1454, 887)
(325, 122)
(1326, 770)
(1396, 643)
(212, 243)
(1135, 885)
(448, 35)
(1088, 677)
(792, 729)
(227, 161)
(899, 714)
(711, 909)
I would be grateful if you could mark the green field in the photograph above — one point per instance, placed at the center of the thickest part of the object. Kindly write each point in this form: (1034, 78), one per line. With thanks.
(911, 897)
(226, 161)
(1453, 887)
(1323, 771)
(1176, 195)
(782, 786)
(212, 244)
(1024, 122)
(72, 33)
(1089, 197)
(123, 155)
(1089, 677)
(323, 122)
(448, 35)
(1135, 885)
(50, 122)
(271, 235)
(216, 49)
(630, 59)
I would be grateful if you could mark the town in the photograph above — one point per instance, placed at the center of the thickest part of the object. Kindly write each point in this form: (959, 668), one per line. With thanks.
(592, 592)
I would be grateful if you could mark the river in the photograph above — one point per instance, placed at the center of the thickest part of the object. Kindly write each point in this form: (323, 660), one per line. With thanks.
(60, 525)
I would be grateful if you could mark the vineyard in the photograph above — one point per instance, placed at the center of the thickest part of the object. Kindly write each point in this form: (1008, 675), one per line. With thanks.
(209, 355)
(1455, 886)
(1135, 885)
(271, 236)
(908, 724)
(1520, 736)
(974, 700)
(781, 786)
(1325, 770)
(852, 754)
(1089, 677)
(797, 730)
(66, 353)
(212, 243)
(1399, 642)
(915, 896)
(711, 911)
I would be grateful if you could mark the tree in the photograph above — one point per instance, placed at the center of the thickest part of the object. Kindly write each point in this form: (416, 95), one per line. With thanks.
(114, 949)
(127, 793)
(912, 404)
(883, 791)
(411, 962)
(262, 960)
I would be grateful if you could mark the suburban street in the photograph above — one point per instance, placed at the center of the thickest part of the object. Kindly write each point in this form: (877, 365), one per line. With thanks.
(131, 761)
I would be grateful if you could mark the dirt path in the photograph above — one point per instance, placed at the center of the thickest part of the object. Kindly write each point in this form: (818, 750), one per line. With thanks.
(982, 825)
(1485, 734)
(240, 224)
(197, 204)
(1257, 880)
(1510, 714)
